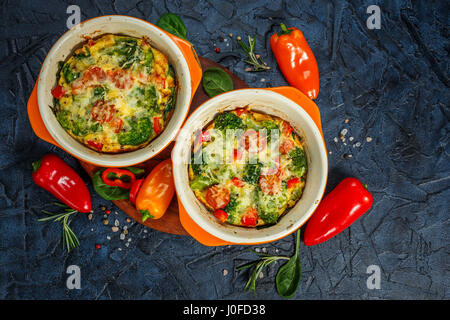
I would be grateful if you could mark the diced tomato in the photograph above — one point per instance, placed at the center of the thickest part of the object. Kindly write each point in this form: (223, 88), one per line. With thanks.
(58, 92)
(286, 129)
(238, 182)
(96, 74)
(156, 125)
(102, 112)
(121, 79)
(286, 146)
(240, 111)
(250, 218)
(270, 184)
(253, 141)
(206, 136)
(91, 42)
(237, 155)
(117, 124)
(221, 215)
(217, 197)
(293, 182)
(95, 144)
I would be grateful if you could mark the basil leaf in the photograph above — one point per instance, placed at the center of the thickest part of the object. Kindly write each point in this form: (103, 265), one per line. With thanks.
(108, 192)
(137, 171)
(216, 81)
(289, 275)
(173, 24)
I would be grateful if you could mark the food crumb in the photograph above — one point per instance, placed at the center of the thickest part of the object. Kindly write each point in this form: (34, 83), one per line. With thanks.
(120, 249)
(346, 120)
(344, 132)
(248, 69)
(238, 38)
(115, 229)
(106, 222)
(350, 139)
(125, 231)
(347, 156)
(129, 239)
(225, 272)
(330, 152)
(103, 208)
(98, 246)
(128, 220)
(230, 35)
(263, 80)
(257, 250)
(108, 237)
(358, 144)
(127, 244)
(116, 223)
(369, 139)
(264, 250)
(335, 139)
(261, 275)
(122, 236)
(90, 216)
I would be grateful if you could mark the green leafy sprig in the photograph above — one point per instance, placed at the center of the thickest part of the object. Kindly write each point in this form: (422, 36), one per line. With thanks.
(69, 238)
(288, 276)
(253, 59)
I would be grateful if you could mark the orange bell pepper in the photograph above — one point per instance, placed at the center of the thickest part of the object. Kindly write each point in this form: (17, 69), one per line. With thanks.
(156, 191)
(296, 60)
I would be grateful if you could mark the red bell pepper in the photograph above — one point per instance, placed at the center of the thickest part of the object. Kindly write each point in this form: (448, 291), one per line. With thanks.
(135, 187)
(55, 176)
(337, 211)
(115, 177)
(296, 60)
(58, 92)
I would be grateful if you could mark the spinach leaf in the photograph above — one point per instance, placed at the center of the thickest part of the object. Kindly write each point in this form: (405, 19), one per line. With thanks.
(173, 24)
(201, 182)
(108, 192)
(69, 75)
(216, 81)
(288, 276)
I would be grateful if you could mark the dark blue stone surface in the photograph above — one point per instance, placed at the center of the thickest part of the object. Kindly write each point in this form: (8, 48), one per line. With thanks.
(391, 84)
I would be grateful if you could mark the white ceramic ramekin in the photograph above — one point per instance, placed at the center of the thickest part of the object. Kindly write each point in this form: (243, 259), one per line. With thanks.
(168, 44)
(273, 103)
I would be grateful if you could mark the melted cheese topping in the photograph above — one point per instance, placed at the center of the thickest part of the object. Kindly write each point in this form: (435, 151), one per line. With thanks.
(265, 172)
(118, 93)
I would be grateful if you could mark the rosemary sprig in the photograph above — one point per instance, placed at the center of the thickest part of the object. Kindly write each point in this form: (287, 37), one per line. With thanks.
(288, 275)
(258, 265)
(253, 59)
(69, 239)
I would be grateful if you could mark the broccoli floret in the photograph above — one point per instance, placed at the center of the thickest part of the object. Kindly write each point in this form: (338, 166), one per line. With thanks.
(139, 133)
(299, 164)
(252, 173)
(228, 120)
(269, 126)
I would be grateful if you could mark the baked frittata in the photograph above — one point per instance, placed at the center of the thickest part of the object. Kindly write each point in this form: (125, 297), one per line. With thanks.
(248, 168)
(115, 93)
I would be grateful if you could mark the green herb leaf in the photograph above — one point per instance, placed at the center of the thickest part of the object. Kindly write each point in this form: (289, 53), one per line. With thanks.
(216, 81)
(289, 275)
(137, 171)
(69, 239)
(173, 24)
(108, 192)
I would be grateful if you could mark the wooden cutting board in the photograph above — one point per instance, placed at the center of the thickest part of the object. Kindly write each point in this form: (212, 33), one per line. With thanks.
(170, 222)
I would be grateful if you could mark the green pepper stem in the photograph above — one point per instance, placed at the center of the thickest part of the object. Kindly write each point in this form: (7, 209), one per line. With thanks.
(36, 165)
(284, 29)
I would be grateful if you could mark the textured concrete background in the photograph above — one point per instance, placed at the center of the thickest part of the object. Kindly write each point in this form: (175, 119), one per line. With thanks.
(392, 85)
